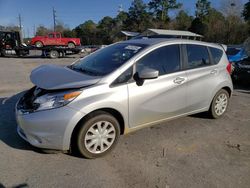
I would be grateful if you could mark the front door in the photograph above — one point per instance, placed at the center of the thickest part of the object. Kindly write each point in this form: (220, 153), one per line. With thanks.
(160, 98)
(51, 39)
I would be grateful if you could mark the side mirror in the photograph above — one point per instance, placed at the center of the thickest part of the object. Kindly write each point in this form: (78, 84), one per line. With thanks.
(148, 73)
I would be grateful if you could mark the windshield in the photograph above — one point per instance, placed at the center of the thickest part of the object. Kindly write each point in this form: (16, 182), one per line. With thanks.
(106, 60)
(232, 51)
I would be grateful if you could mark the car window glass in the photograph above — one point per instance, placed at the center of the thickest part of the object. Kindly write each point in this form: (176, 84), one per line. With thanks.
(197, 56)
(108, 59)
(51, 35)
(165, 59)
(57, 35)
(216, 53)
(232, 51)
(124, 77)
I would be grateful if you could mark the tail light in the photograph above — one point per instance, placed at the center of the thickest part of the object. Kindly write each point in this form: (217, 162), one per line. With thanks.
(229, 68)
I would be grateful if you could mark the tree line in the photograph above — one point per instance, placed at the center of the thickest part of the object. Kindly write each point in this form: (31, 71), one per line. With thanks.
(228, 25)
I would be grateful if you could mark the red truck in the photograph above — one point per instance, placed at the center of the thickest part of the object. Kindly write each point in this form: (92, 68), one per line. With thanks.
(55, 39)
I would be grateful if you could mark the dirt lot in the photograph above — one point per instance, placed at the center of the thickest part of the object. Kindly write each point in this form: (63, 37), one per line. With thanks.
(189, 152)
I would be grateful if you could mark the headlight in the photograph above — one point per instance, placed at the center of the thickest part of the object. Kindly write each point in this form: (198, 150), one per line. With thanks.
(55, 100)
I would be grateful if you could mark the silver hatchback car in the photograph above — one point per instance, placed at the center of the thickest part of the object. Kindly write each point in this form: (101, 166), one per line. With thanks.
(121, 88)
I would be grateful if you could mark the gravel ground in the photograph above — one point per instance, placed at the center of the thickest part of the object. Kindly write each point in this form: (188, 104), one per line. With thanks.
(192, 151)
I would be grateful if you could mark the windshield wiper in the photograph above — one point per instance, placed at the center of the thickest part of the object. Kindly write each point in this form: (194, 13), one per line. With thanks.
(86, 71)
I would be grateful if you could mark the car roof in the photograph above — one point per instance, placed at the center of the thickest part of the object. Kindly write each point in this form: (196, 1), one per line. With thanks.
(155, 41)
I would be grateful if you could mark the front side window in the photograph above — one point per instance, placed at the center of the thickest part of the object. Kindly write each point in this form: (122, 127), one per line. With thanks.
(58, 35)
(197, 56)
(51, 35)
(108, 59)
(164, 59)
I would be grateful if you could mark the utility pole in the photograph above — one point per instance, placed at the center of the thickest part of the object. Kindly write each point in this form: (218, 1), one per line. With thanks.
(20, 22)
(28, 33)
(20, 26)
(54, 18)
(34, 30)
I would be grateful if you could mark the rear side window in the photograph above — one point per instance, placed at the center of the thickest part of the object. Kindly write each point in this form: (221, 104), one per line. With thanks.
(216, 53)
(197, 56)
(164, 59)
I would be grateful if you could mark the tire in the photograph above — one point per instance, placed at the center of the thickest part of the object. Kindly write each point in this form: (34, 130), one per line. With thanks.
(219, 104)
(53, 54)
(38, 44)
(95, 130)
(2, 53)
(71, 45)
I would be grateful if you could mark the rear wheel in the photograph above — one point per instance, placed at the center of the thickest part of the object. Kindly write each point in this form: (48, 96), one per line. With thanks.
(98, 135)
(53, 54)
(71, 45)
(219, 104)
(39, 44)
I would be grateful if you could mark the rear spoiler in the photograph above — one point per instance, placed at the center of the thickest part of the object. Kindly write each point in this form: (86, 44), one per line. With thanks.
(223, 46)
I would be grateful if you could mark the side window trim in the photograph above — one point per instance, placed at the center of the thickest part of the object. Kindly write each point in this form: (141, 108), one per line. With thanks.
(185, 56)
(211, 58)
(214, 56)
(113, 84)
(211, 61)
(180, 58)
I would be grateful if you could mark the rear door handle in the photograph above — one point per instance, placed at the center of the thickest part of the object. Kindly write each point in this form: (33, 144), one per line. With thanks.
(179, 80)
(215, 71)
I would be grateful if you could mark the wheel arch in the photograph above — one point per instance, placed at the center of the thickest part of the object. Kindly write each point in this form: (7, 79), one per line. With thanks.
(228, 89)
(38, 41)
(110, 111)
(72, 42)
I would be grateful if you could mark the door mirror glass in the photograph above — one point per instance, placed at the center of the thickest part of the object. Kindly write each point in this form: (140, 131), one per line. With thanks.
(148, 73)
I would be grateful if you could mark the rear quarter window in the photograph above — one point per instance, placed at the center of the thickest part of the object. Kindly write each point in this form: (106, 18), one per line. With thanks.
(216, 54)
(197, 56)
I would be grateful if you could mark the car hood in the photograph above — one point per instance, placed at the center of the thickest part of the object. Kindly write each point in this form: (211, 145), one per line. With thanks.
(53, 77)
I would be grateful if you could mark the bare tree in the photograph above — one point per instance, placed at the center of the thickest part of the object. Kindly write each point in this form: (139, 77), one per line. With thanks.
(231, 7)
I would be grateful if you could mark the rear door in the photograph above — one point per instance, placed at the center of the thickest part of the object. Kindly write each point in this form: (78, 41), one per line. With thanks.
(202, 76)
(161, 98)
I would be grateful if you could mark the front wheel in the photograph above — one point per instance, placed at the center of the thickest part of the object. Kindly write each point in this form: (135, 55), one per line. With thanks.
(39, 44)
(71, 45)
(219, 104)
(98, 135)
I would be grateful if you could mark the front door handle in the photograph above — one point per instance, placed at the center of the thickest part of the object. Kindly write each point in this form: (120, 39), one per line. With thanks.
(179, 80)
(215, 71)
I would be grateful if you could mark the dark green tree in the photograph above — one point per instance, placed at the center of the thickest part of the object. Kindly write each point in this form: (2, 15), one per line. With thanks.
(183, 20)
(105, 30)
(42, 30)
(197, 26)
(202, 8)
(246, 12)
(216, 26)
(138, 17)
(87, 33)
(121, 20)
(161, 8)
(69, 33)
